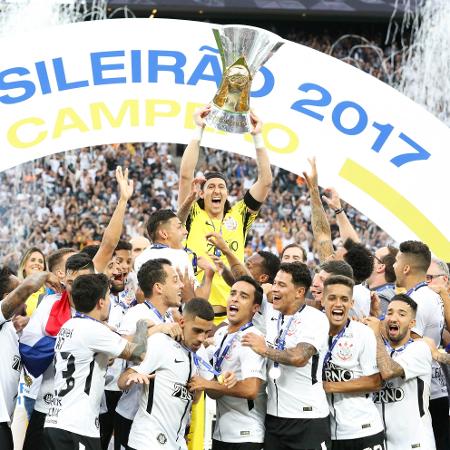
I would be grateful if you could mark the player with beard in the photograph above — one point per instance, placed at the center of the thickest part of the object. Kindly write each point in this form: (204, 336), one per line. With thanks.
(121, 297)
(295, 344)
(405, 367)
(411, 265)
(350, 373)
(162, 288)
(82, 351)
(164, 407)
(37, 345)
(212, 212)
(241, 409)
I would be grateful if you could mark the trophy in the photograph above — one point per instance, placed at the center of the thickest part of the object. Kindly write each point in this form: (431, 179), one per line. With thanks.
(243, 50)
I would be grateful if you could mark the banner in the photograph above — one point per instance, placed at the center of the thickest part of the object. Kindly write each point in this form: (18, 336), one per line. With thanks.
(135, 80)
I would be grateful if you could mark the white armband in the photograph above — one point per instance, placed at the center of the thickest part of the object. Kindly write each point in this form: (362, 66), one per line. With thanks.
(258, 140)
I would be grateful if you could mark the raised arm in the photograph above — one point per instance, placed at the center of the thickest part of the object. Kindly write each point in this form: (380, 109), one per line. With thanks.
(113, 231)
(190, 156)
(297, 356)
(319, 221)
(184, 209)
(261, 188)
(135, 351)
(20, 294)
(346, 229)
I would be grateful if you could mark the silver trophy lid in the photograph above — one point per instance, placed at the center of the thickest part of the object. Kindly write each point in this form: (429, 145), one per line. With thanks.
(255, 45)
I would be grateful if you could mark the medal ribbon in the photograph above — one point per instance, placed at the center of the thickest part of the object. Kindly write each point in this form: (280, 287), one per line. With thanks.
(392, 350)
(199, 361)
(219, 357)
(334, 342)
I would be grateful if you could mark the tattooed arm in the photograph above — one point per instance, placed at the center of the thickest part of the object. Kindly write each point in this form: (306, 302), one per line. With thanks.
(297, 356)
(20, 295)
(135, 350)
(386, 365)
(319, 221)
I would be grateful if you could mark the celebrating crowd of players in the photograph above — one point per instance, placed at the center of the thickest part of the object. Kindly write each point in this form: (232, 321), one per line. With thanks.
(122, 338)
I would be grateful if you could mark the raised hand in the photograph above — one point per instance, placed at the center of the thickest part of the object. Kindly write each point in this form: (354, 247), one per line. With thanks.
(312, 178)
(126, 186)
(334, 202)
(200, 115)
(256, 123)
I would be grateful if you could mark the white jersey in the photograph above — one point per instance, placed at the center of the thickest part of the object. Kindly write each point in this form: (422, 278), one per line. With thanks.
(129, 401)
(307, 400)
(165, 404)
(361, 299)
(403, 402)
(46, 389)
(178, 258)
(259, 318)
(430, 323)
(353, 356)
(239, 419)
(82, 350)
(10, 366)
(116, 313)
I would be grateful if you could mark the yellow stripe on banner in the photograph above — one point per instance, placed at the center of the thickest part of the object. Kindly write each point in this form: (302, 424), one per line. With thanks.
(197, 428)
(398, 205)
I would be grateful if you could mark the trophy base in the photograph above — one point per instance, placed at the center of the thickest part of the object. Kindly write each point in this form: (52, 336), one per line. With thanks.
(231, 122)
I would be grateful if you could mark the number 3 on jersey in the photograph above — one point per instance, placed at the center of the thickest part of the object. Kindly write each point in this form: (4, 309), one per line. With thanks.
(68, 373)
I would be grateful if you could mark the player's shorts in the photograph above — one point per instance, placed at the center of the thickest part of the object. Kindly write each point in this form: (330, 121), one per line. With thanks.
(122, 427)
(58, 439)
(297, 434)
(374, 442)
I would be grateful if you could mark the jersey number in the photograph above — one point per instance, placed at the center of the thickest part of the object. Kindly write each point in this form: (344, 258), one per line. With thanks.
(68, 373)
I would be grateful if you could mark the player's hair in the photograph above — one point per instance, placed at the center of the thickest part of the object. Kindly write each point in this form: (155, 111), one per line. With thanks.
(360, 259)
(271, 264)
(443, 267)
(406, 299)
(25, 258)
(156, 219)
(388, 260)
(337, 267)
(79, 261)
(150, 273)
(88, 289)
(294, 245)
(258, 295)
(301, 276)
(90, 250)
(209, 176)
(338, 279)
(419, 252)
(199, 307)
(55, 258)
(5, 281)
(123, 245)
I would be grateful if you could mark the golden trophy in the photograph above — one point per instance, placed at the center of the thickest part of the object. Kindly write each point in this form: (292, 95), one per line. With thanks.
(243, 50)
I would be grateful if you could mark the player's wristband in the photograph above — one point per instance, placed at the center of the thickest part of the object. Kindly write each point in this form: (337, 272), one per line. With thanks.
(338, 211)
(258, 140)
(198, 133)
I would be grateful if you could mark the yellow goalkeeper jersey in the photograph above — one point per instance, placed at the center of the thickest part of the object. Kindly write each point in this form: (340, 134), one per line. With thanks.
(233, 227)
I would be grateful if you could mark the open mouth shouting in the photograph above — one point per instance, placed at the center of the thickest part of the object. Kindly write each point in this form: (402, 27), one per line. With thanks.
(232, 310)
(393, 329)
(338, 314)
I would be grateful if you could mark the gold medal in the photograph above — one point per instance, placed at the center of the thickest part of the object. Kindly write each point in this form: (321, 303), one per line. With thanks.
(220, 379)
(28, 380)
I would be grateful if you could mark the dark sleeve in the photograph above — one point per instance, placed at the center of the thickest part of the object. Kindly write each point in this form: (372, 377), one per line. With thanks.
(250, 202)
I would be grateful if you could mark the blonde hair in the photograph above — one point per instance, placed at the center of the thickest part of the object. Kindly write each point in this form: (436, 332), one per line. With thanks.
(21, 271)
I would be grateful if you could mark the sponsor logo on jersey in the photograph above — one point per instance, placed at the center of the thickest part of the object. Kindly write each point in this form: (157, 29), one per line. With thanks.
(230, 223)
(344, 350)
(48, 398)
(182, 392)
(332, 372)
(389, 394)
(161, 438)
